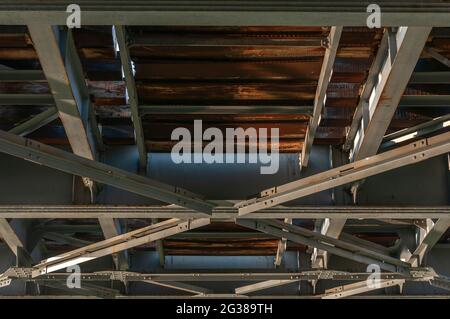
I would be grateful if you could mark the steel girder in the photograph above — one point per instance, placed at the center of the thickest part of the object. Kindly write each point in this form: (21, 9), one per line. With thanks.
(14, 243)
(131, 93)
(36, 122)
(89, 289)
(389, 75)
(413, 274)
(218, 13)
(52, 157)
(338, 247)
(177, 280)
(441, 282)
(358, 288)
(62, 69)
(369, 85)
(437, 56)
(110, 228)
(21, 75)
(335, 246)
(86, 289)
(430, 237)
(412, 153)
(224, 109)
(218, 41)
(220, 212)
(402, 53)
(26, 99)
(116, 244)
(73, 164)
(282, 245)
(181, 286)
(430, 78)
(10, 237)
(418, 131)
(321, 92)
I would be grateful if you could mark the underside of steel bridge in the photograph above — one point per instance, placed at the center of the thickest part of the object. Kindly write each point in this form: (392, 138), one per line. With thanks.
(92, 93)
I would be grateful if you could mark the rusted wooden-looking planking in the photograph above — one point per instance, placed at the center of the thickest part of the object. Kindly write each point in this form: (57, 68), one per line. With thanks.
(274, 71)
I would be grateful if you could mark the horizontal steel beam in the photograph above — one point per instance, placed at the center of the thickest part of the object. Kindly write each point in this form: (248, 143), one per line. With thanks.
(220, 13)
(413, 274)
(280, 212)
(412, 153)
(62, 68)
(70, 163)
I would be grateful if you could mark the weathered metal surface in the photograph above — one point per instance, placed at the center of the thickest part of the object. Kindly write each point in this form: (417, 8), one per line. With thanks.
(267, 66)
